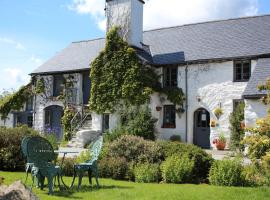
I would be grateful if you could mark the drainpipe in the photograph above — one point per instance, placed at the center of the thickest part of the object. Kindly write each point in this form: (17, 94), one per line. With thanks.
(186, 84)
(34, 107)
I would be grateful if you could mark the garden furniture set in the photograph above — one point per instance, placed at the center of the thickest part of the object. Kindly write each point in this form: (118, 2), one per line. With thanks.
(41, 163)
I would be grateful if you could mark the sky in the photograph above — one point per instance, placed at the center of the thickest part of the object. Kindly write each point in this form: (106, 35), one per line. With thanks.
(32, 31)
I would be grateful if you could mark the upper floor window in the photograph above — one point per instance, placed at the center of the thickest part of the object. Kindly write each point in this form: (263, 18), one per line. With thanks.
(170, 77)
(242, 70)
(58, 84)
(29, 104)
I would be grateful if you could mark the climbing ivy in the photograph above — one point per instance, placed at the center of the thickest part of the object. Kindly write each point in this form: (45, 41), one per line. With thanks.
(117, 76)
(15, 101)
(69, 113)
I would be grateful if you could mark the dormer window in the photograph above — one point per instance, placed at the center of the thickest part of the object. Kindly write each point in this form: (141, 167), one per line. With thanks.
(170, 77)
(242, 70)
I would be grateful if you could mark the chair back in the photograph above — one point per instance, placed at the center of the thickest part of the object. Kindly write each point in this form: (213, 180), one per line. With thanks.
(96, 149)
(40, 150)
(24, 146)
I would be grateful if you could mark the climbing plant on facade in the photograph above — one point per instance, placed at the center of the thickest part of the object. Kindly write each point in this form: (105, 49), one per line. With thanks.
(15, 101)
(117, 76)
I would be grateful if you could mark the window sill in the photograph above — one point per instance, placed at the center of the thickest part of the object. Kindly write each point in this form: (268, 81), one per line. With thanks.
(240, 81)
(172, 126)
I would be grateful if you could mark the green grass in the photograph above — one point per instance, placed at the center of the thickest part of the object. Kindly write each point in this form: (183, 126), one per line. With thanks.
(111, 189)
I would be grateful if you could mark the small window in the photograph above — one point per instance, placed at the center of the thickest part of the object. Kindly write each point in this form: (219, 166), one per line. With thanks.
(106, 122)
(169, 116)
(242, 70)
(29, 104)
(170, 77)
(30, 121)
(237, 102)
(58, 83)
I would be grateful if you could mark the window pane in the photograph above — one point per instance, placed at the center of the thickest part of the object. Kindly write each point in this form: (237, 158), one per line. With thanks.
(173, 77)
(246, 71)
(58, 85)
(169, 116)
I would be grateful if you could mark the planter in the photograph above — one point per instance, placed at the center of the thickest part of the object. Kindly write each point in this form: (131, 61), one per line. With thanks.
(220, 146)
(158, 108)
(168, 126)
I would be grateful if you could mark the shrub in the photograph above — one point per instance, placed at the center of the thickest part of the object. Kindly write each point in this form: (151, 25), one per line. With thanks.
(202, 160)
(52, 139)
(147, 173)
(114, 134)
(258, 145)
(226, 173)
(67, 168)
(135, 149)
(237, 132)
(176, 169)
(115, 168)
(253, 175)
(11, 157)
(175, 138)
(83, 157)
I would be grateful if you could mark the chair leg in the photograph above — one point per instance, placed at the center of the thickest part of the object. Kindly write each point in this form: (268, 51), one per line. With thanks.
(95, 171)
(80, 179)
(26, 170)
(90, 177)
(50, 184)
(41, 181)
(74, 177)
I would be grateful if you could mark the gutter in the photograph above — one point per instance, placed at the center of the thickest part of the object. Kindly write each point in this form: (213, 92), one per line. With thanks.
(186, 84)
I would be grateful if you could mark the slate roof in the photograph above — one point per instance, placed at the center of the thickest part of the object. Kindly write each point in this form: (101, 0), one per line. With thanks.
(259, 76)
(224, 39)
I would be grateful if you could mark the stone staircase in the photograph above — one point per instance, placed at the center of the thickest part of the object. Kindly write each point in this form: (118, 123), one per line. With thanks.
(84, 134)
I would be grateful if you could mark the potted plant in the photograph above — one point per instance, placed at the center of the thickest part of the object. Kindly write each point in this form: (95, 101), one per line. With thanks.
(218, 112)
(220, 142)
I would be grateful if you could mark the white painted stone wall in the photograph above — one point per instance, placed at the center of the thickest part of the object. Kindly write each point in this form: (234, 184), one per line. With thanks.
(254, 110)
(213, 83)
(42, 103)
(9, 122)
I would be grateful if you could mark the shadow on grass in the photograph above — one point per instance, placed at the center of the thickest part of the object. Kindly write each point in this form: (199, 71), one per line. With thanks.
(84, 189)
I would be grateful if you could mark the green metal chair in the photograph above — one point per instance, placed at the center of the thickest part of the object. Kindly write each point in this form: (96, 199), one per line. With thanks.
(90, 166)
(29, 164)
(41, 153)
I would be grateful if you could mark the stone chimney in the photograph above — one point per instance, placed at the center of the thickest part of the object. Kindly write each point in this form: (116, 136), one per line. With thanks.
(128, 15)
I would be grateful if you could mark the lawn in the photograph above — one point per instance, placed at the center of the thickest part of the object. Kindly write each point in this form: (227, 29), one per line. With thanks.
(111, 189)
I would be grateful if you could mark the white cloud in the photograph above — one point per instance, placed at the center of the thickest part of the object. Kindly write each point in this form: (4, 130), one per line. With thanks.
(37, 61)
(13, 77)
(161, 13)
(12, 42)
(93, 7)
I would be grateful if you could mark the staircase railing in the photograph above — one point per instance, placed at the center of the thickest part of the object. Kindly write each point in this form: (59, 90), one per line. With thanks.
(74, 122)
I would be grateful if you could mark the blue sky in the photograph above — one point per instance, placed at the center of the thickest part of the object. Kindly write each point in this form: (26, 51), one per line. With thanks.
(32, 31)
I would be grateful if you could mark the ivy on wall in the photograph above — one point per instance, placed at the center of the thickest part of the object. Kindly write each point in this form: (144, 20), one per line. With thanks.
(117, 76)
(15, 101)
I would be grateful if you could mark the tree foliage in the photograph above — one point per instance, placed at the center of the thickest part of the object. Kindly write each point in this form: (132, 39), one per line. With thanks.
(237, 132)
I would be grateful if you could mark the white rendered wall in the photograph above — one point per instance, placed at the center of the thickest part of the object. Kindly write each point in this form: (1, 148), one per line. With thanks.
(212, 82)
(254, 110)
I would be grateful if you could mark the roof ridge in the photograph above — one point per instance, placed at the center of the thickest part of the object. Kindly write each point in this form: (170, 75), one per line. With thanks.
(206, 22)
(90, 40)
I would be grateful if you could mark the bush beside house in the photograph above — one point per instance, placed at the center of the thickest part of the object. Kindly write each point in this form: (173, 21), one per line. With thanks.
(11, 158)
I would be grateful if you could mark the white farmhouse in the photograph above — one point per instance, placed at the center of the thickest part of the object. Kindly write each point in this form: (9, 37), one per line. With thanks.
(217, 64)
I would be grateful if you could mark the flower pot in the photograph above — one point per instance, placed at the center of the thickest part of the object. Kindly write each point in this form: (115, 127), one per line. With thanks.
(158, 108)
(220, 146)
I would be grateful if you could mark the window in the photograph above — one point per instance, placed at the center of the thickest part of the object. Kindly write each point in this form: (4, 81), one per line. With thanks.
(170, 77)
(29, 104)
(58, 84)
(169, 116)
(242, 70)
(237, 102)
(30, 121)
(106, 122)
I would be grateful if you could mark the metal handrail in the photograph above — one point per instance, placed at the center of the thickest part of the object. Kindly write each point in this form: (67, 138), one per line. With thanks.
(73, 120)
(81, 122)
